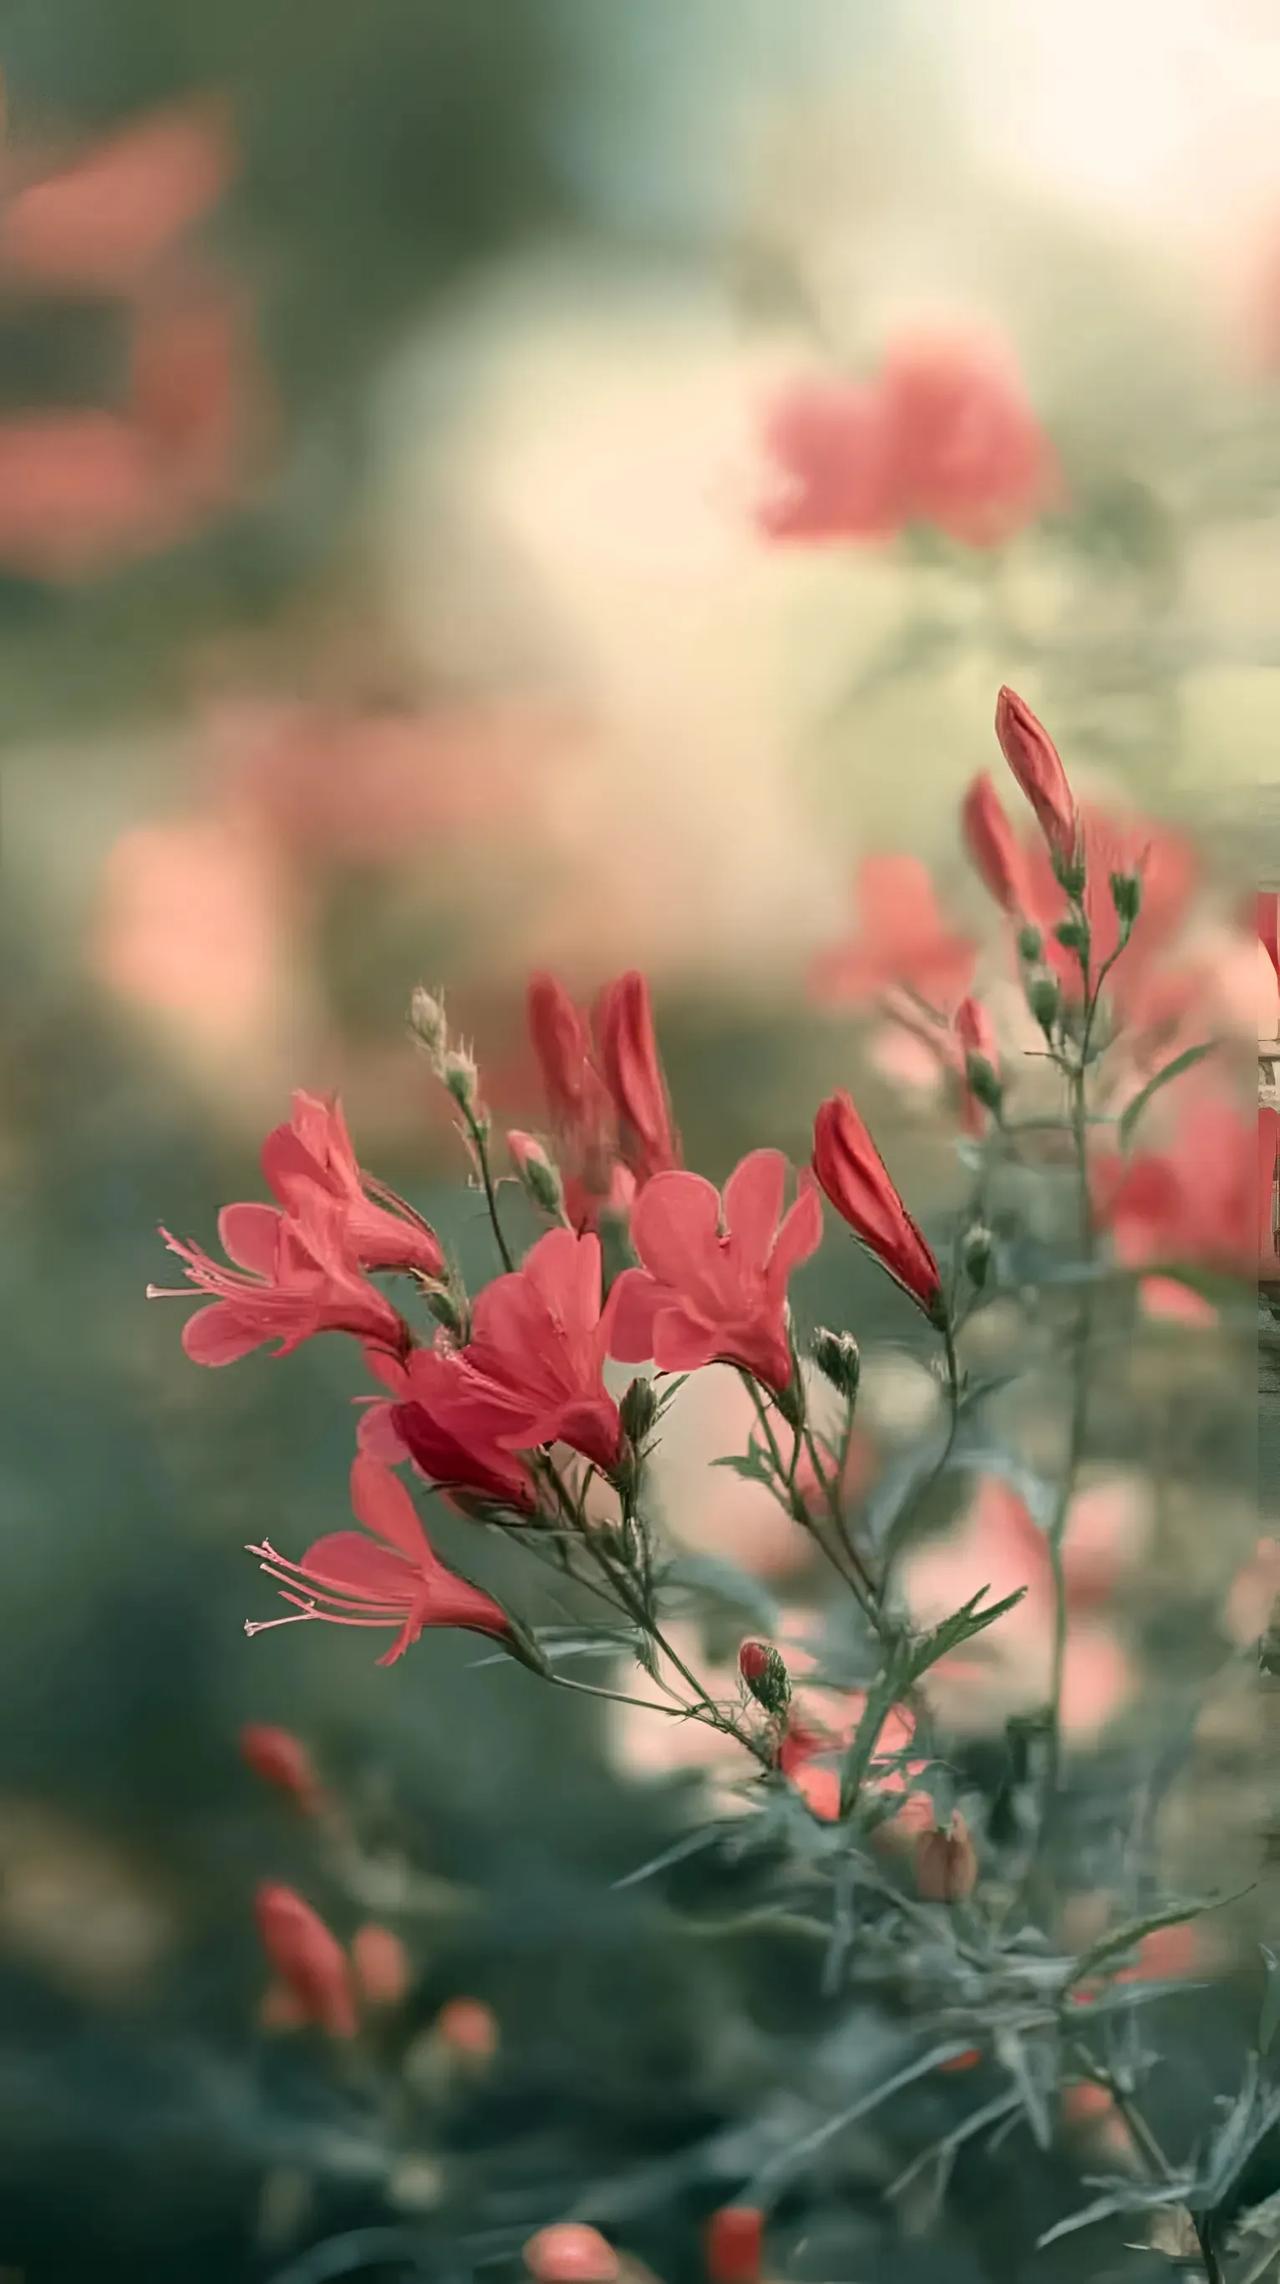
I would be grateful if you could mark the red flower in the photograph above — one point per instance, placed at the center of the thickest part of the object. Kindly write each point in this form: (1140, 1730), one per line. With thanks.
(734, 2244)
(314, 1153)
(394, 1579)
(1194, 1202)
(308, 1959)
(1037, 767)
(902, 940)
(296, 1277)
(628, 1052)
(101, 223)
(578, 1100)
(425, 1420)
(533, 1370)
(713, 1286)
(994, 848)
(381, 1965)
(855, 1178)
(468, 2027)
(606, 1094)
(570, 2253)
(282, 1760)
(830, 444)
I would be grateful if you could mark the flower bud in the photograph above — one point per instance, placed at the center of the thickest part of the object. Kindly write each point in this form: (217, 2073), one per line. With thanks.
(1044, 999)
(1070, 875)
(1126, 896)
(539, 1175)
(1073, 935)
(638, 1411)
(839, 1359)
(282, 1760)
(1037, 767)
(469, 2029)
(1030, 944)
(734, 2242)
(946, 1863)
(978, 1244)
(983, 1082)
(381, 1965)
(570, 2253)
(449, 1308)
(458, 1070)
(427, 1023)
(765, 1675)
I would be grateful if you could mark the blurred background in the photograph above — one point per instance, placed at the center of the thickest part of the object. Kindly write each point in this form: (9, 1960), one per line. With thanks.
(446, 528)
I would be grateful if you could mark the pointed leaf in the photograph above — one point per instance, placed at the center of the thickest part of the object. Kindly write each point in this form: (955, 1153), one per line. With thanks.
(1183, 1062)
(1269, 2019)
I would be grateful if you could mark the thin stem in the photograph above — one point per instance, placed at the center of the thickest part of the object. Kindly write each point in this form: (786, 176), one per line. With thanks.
(477, 1134)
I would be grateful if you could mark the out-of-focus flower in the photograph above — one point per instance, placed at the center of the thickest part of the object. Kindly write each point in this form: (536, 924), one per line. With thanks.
(994, 848)
(1192, 1204)
(946, 1863)
(1268, 1160)
(570, 2253)
(734, 2245)
(628, 1049)
(1038, 773)
(532, 1371)
(856, 1179)
(295, 1277)
(943, 435)
(77, 490)
(195, 400)
(815, 1743)
(469, 2028)
(393, 1579)
(381, 1965)
(427, 1418)
(282, 1760)
(606, 1094)
(313, 1152)
(102, 222)
(902, 941)
(713, 1285)
(1253, 1594)
(1169, 871)
(308, 1960)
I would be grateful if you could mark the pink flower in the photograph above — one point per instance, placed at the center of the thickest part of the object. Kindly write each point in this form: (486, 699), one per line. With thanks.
(902, 940)
(1037, 768)
(1191, 1204)
(570, 2253)
(295, 1278)
(713, 1285)
(628, 1051)
(77, 491)
(532, 1372)
(381, 1965)
(102, 222)
(309, 1961)
(856, 1179)
(425, 1420)
(944, 434)
(393, 1579)
(313, 1154)
(467, 2027)
(994, 849)
(946, 1863)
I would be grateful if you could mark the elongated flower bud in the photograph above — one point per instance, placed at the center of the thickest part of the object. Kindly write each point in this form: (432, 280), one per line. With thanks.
(1037, 767)
(308, 1959)
(639, 1410)
(538, 1174)
(734, 2245)
(282, 1760)
(1044, 998)
(1126, 897)
(993, 846)
(428, 1025)
(381, 1965)
(856, 1179)
(765, 1675)
(839, 1359)
(946, 1863)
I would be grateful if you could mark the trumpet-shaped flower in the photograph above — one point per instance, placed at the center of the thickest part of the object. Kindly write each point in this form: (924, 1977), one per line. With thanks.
(856, 1179)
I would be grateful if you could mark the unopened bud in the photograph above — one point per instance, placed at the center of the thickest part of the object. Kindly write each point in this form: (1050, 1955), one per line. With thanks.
(978, 1244)
(1030, 944)
(1070, 874)
(638, 1411)
(734, 2244)
(570, 2253)
(1073, 935)
(428, 1025)
(469, 2029)
(1126, 896)
(460, 1075)
(449, 1308)
(839, 1360)
(946, 1863)
(282, 1760)
(539, 1176)
(381, 1965)
(765, 1676)
(983, 1082)
(1044, 999)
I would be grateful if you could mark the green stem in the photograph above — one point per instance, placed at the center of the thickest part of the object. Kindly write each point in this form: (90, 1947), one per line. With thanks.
(477, 1134)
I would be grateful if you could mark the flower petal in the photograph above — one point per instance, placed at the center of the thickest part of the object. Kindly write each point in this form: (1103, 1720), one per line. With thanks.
(753, 1198)
(675, 1229)
(359, 1567)
(633, 1303)
(380, 1501)
(221, 1334)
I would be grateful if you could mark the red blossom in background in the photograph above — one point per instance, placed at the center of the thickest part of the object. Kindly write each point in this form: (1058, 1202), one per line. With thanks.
(295, 1277)
(308, 1960)
(734, 2244)
(104, 220)
(1192, 1204)
(392, 1579)
(282, 1760)
(1038, 773)
(902, 941)
(713, 1283)
(994, 848)
(943, 435)
(312, 1154)
(466, 2026)
(810, 1752)
(606, 1095)
(628, 1050)
(381, 1965)
(857, 1181)
(570, 2253)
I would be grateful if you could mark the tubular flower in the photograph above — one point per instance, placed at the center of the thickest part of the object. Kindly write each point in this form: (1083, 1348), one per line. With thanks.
(902, 940)
(533, 1370)
(392, 1579)
(313, 1153)
(308, 1960)
(994, 848)
(855, 1178)
(628, 1051)
(1037, 768)
(427, 1419)
(606, 1095)
(282, 1760)
(713, 1285)
(295, 1277)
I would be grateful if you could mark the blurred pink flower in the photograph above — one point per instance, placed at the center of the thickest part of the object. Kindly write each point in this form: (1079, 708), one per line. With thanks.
(944, 434)
(1253, 1594)
(814, 1747)
(381, 1964)
(308, 1960)
(1192, 1204)
(195, 399)
(282, 1761)
(712, 1287)
(710, 1509)
(568, 2252)
(901, 941)
(606, 1092)
(77, 491)
(103, 220)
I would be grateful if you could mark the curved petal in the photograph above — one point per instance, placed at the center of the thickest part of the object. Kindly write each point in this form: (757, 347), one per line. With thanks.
(248, 1236)
(288, 1166)
(675, 1229)
(376, 1435)
(220, 1334)
(753, 1198)
(389, 1369)
(380, 1501)
(360, 1568)
(554, 1266)
(800, 1234)
(633, 1303)
(682, 1342)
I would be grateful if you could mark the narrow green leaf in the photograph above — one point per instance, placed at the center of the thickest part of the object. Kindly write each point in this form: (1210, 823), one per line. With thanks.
(1186, 1061)
(1122, 1939)
(752, 1466)
(960, 1627)
(1269, 2019)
